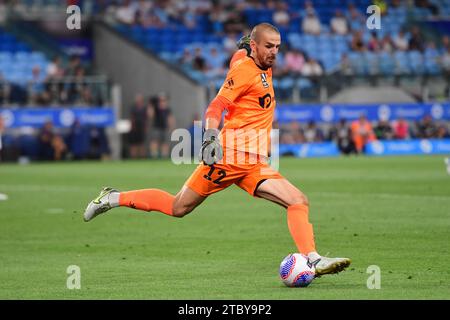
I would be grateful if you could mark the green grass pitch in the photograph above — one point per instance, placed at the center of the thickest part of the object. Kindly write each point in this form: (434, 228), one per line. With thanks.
(392, 212)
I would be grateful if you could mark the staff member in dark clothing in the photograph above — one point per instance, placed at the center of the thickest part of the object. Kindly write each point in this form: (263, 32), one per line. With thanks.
(138, 118)
(163, 124)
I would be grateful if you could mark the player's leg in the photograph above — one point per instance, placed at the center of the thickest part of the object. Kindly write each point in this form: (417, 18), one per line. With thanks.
(147, 200)
(186, 201)
(204, 181)
(281, 191)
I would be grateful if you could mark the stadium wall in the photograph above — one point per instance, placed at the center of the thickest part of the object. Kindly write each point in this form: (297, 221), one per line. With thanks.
(138, 71)
(366, 94)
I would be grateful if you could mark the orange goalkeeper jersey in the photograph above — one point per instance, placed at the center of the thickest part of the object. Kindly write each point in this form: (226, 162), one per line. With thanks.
(250, 114)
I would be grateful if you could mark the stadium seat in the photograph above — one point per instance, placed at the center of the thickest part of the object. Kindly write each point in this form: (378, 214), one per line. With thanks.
(386, 63)
(402, 63)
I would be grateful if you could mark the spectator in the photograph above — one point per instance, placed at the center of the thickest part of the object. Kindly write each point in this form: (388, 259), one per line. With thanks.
(311, 24)
(235, 22)
(416, 41)
(357, 43)
(126, 13)
(74, 65)
(138, 118)
(186, 59)
(401, 129)
(51, 145)
(431, 51)
(442, 132)
(189, 19)
(426, 128)
(387, 44)
(217, 18)
(355, 17)
(312, 133)
(308, 8)
(445, 44)
(75, 88)
(383, 130)
(5, 90)
(292, 134)
(36, 87)
(281, 16)
(362, 133)
(199, 62)
(163, 124)
(87, 98)
(312, 68)
(294, 62)
(215, 62)
(54, 69)
(401, 42)
(339, 24)
(445, 61)
(345, 66)
(341, 135)
(373, 44)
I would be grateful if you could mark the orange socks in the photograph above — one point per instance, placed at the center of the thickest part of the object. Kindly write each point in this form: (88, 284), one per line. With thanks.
(148, 200)
(300, 228)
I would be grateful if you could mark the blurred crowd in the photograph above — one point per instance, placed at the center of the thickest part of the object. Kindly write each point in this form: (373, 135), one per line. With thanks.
(228, 19)
(352, 136)
(57, 84)
(48, 143)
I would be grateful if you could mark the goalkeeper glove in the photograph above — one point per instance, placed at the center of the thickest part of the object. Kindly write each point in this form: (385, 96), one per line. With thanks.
(244, 43)
(211, 150)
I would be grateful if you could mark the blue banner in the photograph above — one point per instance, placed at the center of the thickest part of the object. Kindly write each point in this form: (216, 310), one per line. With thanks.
(306, 150)
(350, 112)
(376, 148)
(409, 147)
(61, 117)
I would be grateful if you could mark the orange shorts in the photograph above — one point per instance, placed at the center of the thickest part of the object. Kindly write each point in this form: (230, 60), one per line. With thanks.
(206, 180)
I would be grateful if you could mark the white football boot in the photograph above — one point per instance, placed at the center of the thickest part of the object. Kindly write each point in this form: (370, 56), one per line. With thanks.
(325, 265)
(99, 205)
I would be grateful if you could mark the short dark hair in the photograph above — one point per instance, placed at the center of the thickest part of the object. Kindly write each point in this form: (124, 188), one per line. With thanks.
(259, 28)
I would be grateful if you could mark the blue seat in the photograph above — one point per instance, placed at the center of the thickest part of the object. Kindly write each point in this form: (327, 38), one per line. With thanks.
(357, 63)
(402, 63)
(416, 62)
(432, 67)
(386, 63)
(6, 56)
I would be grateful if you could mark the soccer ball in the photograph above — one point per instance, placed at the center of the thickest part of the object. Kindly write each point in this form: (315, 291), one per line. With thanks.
(295, 271)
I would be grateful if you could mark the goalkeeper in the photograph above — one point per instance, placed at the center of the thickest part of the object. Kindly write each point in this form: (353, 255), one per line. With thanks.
(248, 98)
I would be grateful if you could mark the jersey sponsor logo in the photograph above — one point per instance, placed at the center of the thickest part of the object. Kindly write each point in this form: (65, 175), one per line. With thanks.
(265, 101)
(264, 80)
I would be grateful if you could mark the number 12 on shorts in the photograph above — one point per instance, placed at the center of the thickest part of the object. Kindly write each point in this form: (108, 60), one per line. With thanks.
(221, 173)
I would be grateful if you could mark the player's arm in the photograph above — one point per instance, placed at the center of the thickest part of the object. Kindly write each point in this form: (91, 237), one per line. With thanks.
(211, 150)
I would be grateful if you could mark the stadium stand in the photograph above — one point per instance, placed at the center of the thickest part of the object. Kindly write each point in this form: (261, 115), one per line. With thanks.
(161, 29)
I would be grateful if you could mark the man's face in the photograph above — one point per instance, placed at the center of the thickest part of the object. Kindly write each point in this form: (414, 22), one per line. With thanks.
(266, 48)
